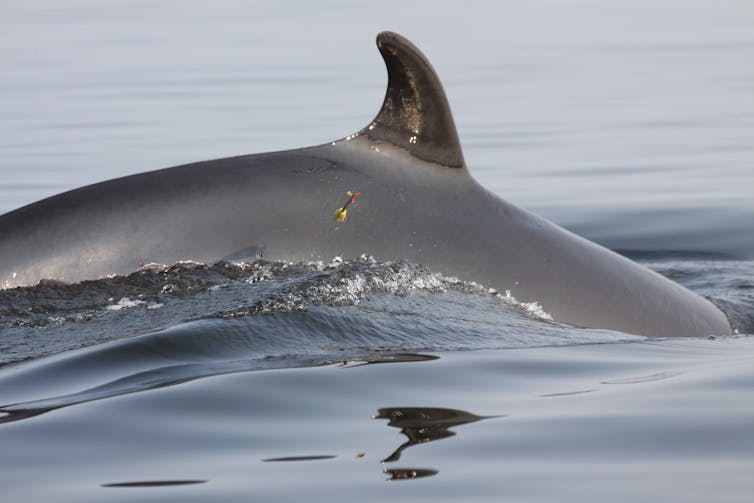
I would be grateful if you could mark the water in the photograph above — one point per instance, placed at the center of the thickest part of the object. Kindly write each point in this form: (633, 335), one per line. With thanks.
(627, 122)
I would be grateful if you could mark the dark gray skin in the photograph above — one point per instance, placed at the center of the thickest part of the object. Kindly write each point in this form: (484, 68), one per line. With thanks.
(418, 203)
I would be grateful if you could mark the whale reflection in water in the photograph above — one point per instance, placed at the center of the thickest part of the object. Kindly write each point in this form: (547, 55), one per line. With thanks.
(409, 473)
(421, 425)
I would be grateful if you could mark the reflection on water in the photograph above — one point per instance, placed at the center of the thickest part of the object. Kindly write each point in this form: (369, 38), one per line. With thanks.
(389, 358)
(420, 425)
(8, 416)
(423, 424)
(155, 483)
(409, 473)
(299, 458)
(658, 376)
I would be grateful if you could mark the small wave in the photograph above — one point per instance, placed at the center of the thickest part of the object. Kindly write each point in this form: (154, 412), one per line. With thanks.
(295, 286)
(348, 283)
(51, 316)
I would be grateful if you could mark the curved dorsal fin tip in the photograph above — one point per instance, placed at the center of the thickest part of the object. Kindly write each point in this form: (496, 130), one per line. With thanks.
(415, 114)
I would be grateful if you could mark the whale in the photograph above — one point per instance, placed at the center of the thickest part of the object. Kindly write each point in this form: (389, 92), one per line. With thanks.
(417, 202)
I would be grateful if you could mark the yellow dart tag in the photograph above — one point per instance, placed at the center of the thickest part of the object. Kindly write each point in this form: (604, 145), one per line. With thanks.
(341, 214)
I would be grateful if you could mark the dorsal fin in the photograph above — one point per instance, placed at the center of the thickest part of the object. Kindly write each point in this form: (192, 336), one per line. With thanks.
(415, 114)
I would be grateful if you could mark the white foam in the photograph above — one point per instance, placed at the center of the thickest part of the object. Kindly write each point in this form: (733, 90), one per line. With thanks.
(123, 303)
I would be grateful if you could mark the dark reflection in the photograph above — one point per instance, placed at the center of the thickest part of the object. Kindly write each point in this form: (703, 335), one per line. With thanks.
(390, 358)
(423, 424)
(659, 376)
(299, 458)
(568, 393)
(409, 473)
(155, 483)
(8, 416)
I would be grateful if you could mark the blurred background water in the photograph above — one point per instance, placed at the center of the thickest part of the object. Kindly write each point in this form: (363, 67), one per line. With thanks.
(628, 122)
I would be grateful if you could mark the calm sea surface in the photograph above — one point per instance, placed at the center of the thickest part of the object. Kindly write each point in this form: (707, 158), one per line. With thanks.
(629, 122)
